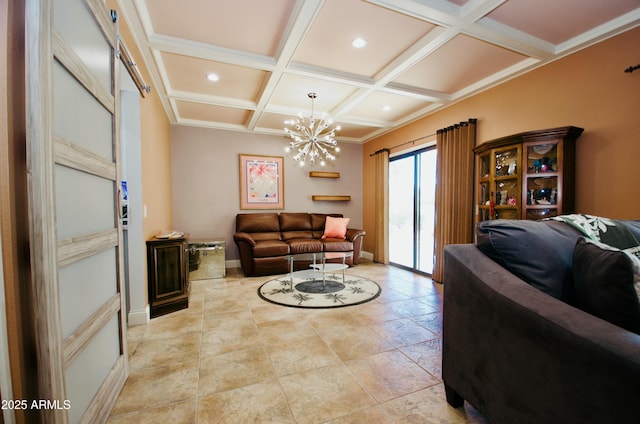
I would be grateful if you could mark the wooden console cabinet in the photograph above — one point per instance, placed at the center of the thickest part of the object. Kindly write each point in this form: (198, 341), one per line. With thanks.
(168, 275)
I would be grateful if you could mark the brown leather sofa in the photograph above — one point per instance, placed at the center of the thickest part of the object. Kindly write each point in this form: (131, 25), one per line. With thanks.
(264, 239)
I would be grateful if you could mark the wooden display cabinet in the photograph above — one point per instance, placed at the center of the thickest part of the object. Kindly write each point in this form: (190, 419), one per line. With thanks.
(526, 176)
(168, 275)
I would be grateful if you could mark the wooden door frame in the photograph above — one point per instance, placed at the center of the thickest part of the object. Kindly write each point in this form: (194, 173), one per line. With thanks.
(43, 248)
(14, 209)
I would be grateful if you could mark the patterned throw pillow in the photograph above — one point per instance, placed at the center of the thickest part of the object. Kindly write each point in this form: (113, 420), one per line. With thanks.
(607, 282)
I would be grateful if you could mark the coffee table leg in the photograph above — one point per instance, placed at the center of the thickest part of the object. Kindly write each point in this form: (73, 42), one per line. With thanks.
(324, 275)
(321, 270)
(314, 266)
(291, 274)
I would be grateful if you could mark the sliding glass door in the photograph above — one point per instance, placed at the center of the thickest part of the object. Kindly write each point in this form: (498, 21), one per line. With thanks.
(412, 188)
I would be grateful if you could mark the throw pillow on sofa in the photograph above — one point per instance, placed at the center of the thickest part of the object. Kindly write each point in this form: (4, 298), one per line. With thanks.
(609, 231)
(607, 282)
(538, 252)
(335, 227)
(634, 227)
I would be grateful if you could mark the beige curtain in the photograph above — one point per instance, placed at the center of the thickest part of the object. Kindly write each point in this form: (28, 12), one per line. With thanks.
(381, 237)
(454, 189)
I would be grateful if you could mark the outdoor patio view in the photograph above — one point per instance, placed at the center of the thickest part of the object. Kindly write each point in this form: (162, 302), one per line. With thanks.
(412, 187)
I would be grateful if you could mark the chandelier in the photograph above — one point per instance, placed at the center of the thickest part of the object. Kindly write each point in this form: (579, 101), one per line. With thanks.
(312, 139)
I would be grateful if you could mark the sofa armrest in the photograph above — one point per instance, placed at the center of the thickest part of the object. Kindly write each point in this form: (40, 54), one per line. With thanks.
(244, 237)
(356, 237)
(353, 234)
(245, 244)
(520, 355)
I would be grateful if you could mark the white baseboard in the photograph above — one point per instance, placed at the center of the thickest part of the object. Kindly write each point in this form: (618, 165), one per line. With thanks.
(235, 263)
(139, 317)
(366, 255)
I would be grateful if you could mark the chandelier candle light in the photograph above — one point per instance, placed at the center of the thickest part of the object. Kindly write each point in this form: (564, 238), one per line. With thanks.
(312, 138)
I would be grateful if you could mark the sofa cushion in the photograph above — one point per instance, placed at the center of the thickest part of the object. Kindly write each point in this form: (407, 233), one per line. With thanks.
(337, 245)
(607, 282)
(266, 236)
(335, 227)
(292, 235)
(257, 222)
(266, 248)
(538, 252)
(304, 246)
(295, 221)
(295, 226)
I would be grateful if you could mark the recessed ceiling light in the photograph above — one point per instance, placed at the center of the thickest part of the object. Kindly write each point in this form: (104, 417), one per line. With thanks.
(386, 108)
(359, 43)
(213, 77)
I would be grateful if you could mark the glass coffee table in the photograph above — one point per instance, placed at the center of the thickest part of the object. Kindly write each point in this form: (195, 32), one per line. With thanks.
(318, 265)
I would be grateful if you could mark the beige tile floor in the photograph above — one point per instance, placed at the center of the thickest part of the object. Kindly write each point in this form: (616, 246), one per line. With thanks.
(232, 357)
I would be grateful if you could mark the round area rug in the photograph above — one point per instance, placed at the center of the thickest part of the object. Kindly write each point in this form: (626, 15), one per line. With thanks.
(307, 292)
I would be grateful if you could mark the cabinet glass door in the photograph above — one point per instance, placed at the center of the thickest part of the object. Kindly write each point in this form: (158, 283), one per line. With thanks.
(505, 189)
(542, 158)
(506, 162)
(541, 190)
(483, 197)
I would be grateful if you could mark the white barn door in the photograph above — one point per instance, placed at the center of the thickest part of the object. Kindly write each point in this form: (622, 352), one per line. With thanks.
(75, 230)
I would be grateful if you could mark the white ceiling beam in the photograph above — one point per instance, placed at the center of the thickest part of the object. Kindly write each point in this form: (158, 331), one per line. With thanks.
(417, 93)
(435, 39)
(211, 100)
(364, 122)
(211, 124)
(509, 38)
(301, 19)
(331, 75)
(474, 10)
(176, 45)
(440, 13)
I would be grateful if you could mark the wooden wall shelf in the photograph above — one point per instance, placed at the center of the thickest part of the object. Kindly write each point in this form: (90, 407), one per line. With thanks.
(323, 174)
(331, 198)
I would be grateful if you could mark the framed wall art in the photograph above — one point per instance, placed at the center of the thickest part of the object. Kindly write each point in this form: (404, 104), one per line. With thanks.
(261, 182)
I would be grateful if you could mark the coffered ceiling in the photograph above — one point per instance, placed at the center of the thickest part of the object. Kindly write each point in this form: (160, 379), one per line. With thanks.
(420, 55)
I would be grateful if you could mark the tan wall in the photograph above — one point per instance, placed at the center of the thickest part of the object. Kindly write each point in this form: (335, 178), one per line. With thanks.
(587, 89)
(157, 197)
(155, 133)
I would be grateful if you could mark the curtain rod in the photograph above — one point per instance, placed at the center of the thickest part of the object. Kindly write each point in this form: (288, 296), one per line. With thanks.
(632, 68)
(401, 144)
